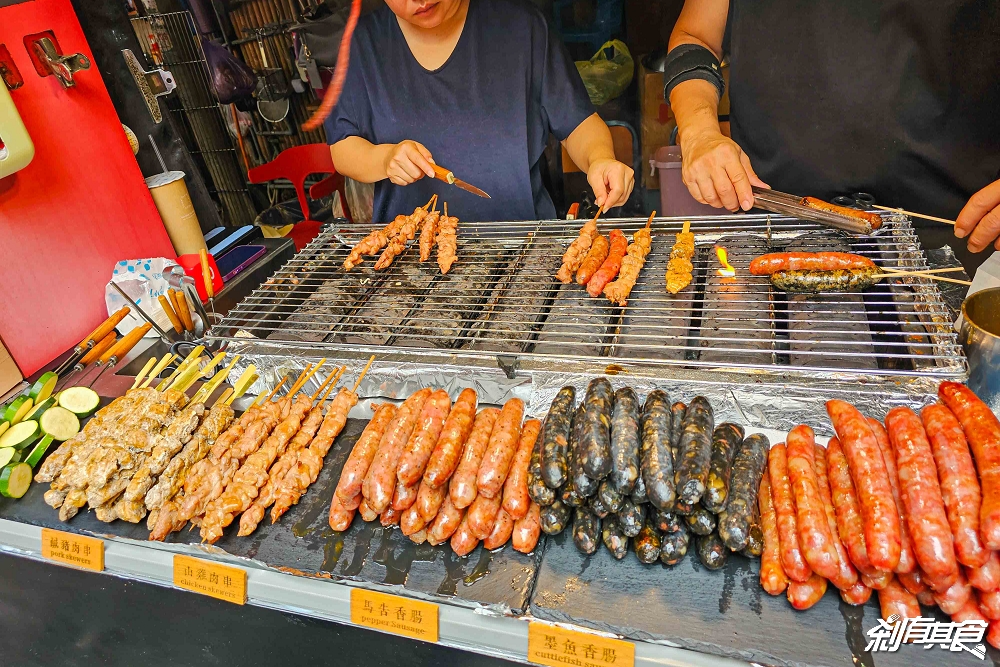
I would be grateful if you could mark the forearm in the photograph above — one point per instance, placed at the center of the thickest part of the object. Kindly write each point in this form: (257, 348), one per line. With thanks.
(360, 159)
(589, 142)
(695, 104)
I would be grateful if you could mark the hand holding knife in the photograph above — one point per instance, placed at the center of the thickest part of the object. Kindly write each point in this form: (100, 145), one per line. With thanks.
(448, 176)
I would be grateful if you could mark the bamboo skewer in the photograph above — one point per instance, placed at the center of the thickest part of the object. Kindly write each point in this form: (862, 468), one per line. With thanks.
(299, 380)
(145, 369)
(302, 383)
(953, 269)
(363, 372)
(268, 397)
(158, 368)
(224, 398)
(322, 387)
(207, 389)
(914, 215)
(903, 274)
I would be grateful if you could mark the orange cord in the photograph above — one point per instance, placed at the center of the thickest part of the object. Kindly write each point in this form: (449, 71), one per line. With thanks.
(337, 85)
(239, 137)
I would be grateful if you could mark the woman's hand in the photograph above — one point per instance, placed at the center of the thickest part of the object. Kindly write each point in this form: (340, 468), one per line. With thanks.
(408, 162)
(717, 172)
(612, 182)
(981, 219)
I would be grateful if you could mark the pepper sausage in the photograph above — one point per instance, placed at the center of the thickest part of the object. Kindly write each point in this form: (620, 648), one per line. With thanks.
(454, 434)
(527, 530)
(933, 545)
(366, 512)
(846, 577)
(612, 264)
(856, 595)
(736, 520)
(989, 604)
(873, 219)
(482, 515)
(515, 488)
(411, 522)
(792, 560)
(726, 439)
(390, 517)
(959, 484)
(500, 451)
(625, 441)
(340, 518)
(429, 500)
(982, 429)
(767, 264)
(424, 438)
(445, 523)
(595, 443)
(815, 539)
(595, 258)
(871, 481)
(380, 482)
(360, 460)
(462, 488)
(502, 529)
(845, 503)
(954, 597)
(840, 280)
(404, 497)
(896, 600)
(555, 441)
(694, 452)
(907, 559)
(463, 542)
(804, 594)
(657, 467)
(773, 579)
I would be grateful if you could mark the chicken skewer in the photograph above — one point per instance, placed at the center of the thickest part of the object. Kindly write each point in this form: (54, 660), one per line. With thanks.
(428, 232)
(255, 513)
(577, 251)
(680, 268)
(398, 244)
(635, 258)
(307, 467)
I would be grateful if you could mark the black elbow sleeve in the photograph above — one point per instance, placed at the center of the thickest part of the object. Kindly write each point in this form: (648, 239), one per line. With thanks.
(691, 61)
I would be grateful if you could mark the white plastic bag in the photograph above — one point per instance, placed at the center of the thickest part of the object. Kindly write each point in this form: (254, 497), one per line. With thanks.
(143, 280)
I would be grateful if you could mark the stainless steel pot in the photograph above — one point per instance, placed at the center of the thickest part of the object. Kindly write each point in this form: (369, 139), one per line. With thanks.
(980, 336)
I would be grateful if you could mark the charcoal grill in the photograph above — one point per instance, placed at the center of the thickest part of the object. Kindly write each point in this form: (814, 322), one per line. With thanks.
(501, 302)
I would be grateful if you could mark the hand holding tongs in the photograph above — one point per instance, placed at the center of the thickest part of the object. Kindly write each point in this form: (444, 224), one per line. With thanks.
(816, 210)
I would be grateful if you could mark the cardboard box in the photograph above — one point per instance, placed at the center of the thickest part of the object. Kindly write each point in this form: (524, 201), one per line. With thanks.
(656, 121)
(10, 374)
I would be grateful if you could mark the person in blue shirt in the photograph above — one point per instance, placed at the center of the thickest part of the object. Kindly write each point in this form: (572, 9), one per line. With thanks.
(475, 86)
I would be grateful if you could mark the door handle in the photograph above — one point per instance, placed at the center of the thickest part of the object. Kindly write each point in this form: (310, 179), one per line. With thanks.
(17, 150)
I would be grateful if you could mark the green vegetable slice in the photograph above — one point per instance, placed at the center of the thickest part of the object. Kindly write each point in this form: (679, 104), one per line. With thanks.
(15, 480)
(43, 387)
(20, 435)
(3, 427)
(40, 407)
(37, 452)
(17, 409)
(60, 423)
(9, 455)
(81, 401)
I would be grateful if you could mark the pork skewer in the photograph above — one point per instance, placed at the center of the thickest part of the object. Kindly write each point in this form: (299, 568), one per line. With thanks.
(680, 268)
(577, 251)
(378, 239)
(447, 241)
(398, 243)
(635, 258)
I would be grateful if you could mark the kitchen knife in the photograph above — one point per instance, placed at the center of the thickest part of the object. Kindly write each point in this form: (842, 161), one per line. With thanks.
(448, 176)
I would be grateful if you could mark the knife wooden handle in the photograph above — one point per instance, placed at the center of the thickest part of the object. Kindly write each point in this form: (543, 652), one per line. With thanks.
(106, 327)
(181, 307)
(171, 315)
(99, 349)
(206, 274)
(125, 344)
(443, 174)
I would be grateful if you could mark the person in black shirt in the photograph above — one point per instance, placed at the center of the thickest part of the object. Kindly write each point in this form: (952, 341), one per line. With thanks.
(898, 98)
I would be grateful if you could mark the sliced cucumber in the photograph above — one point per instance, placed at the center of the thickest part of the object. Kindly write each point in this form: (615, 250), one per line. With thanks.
(60, 423)
(9, 455)
(81, 401)
(37, 452)
(17, 409)
(43, 387)
(3, 427)
(40, 407)
(15, 480)
(20, 435)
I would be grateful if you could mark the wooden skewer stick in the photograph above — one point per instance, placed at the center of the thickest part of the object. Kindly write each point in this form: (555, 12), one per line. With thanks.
(363, 372)
(242, 390)
(649, 223)
(192, 358)
(303, 381)
(325, 395)
(145, 369)
(322, 387)
(207, 389)
(225, 397)
(295, 385)
(157, 369)
(429, 202)
(954, 269)
(274, 391)
(928, 277)
(914, 215)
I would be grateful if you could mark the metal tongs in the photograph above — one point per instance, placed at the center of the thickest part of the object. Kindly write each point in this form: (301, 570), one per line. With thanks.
(782, 202)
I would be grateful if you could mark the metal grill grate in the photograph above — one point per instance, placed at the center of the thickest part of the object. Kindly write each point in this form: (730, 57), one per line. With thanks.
(502, 300)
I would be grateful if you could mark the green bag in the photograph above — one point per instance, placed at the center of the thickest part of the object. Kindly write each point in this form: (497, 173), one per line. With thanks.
(607, 77)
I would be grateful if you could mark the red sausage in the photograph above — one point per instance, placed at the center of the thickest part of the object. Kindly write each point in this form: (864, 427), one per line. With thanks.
(993, 634)
(846, 577)
(874, 219)
(429, 500)
(815, 539)
(792, 560)
(403, 497)
(987, 577)
(925, 516)
(353, 475)
(340, 518)
(982, 429)
(411, 521)
(463, 541)
(926, 599)
(500, 452)
(907, 560)
(894, 599)
(595, 258)
(448, 450)
(419, 537)
(482, 515)
(871, 481)
(515, 488)
(502, 529)
(773, 579)
(845, 502)
(952, 599)
(609, 269)
(463, 483)
(770, 263)
(804, 594)
(351, 504)
(390, 517)
(366, 512)
(913, 582)
(445, 523)
(989, 604)
(527, 530)
(425, 435)
(876, 580)
(969, 612)
(959, 484)
(380, 482)
(856, 595)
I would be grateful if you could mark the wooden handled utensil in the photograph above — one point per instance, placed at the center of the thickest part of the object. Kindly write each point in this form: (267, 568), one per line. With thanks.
(95, 336)
(120, 349)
